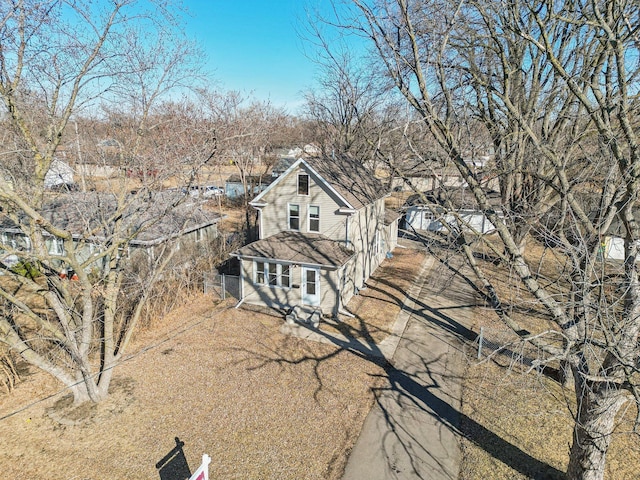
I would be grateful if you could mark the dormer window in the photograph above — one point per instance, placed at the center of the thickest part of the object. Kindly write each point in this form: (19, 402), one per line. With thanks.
(303, 184)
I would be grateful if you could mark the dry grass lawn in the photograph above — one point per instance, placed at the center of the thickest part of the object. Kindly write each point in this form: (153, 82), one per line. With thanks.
(530, 411)
(225, 381)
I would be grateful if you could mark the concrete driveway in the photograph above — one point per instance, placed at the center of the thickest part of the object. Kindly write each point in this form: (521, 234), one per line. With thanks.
(412, 430)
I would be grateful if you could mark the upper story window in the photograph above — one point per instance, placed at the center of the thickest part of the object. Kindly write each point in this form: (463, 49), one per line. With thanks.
(314, 218)
(303, 184)
(294, 217)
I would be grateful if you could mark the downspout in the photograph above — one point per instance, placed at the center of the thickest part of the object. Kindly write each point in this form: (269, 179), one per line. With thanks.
(341, 310)
(346, 235)
(241, 301)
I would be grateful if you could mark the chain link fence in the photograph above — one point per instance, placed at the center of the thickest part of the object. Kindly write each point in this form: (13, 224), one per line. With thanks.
(222, 285)
(507, 348)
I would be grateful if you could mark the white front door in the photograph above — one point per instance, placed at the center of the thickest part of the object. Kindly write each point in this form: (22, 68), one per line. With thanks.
(310, 286)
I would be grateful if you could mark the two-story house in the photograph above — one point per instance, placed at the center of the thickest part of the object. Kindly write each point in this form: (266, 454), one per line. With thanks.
(322, 232)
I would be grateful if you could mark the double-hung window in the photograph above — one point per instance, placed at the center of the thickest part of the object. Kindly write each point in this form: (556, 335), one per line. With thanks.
(272, 274)
(294, 217)
(285, 276)
(56, 246)
(314, 218)
(303, 184)
(272, 270)
(260, 268)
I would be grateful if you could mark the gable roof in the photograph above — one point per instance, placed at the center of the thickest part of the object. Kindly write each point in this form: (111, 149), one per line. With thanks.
(296, 247)
(348, 178)
(390, 216)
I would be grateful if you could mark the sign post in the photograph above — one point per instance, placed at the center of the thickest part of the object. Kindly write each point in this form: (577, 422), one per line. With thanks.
(202, 473)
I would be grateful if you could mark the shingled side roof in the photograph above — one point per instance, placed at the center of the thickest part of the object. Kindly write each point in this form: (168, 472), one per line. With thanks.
(350, 178)
(296, 247)
(151, 220)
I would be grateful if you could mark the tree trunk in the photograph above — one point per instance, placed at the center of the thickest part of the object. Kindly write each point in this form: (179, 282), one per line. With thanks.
(87, 391)
(592, 431)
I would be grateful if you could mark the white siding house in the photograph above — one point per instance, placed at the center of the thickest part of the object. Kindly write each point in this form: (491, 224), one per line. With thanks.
(322, 232)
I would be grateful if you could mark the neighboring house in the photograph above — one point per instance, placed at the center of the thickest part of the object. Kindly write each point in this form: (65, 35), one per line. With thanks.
(323, 230)
(59, 173)
(309, 150)
(612, 245)
(422, 175)
(420, 215)
(151, 222)
(282, 165)
(234, 188)
(427, 179)
(613, 248)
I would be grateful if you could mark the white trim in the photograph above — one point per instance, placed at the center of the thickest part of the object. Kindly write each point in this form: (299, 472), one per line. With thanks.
(348, 211)
(286, 173)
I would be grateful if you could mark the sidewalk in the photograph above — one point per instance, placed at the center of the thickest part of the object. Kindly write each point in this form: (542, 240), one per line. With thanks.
(412, 431)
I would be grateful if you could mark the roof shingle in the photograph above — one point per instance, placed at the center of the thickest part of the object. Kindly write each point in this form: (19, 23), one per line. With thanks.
(296, 247)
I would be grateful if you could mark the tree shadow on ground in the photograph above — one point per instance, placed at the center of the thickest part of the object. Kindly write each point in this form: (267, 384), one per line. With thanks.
(410, 391)
(418, 393)
(173, 465)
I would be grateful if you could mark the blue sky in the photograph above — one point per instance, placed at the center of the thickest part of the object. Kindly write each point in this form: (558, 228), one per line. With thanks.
(253, 46)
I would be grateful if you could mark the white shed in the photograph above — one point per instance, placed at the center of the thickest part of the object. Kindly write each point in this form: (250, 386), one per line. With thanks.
(421, 218)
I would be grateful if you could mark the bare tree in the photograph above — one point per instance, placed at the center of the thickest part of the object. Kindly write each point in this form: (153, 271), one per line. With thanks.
(245, 129)
(553, 85)
(60, 59)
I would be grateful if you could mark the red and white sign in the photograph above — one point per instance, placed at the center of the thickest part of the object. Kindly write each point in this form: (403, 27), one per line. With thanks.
(202, 473)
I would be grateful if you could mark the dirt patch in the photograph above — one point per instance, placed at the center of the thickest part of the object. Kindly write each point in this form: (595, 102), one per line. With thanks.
(65, 413)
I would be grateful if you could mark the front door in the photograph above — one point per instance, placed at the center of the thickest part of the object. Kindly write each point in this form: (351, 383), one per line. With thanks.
(310, 286)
